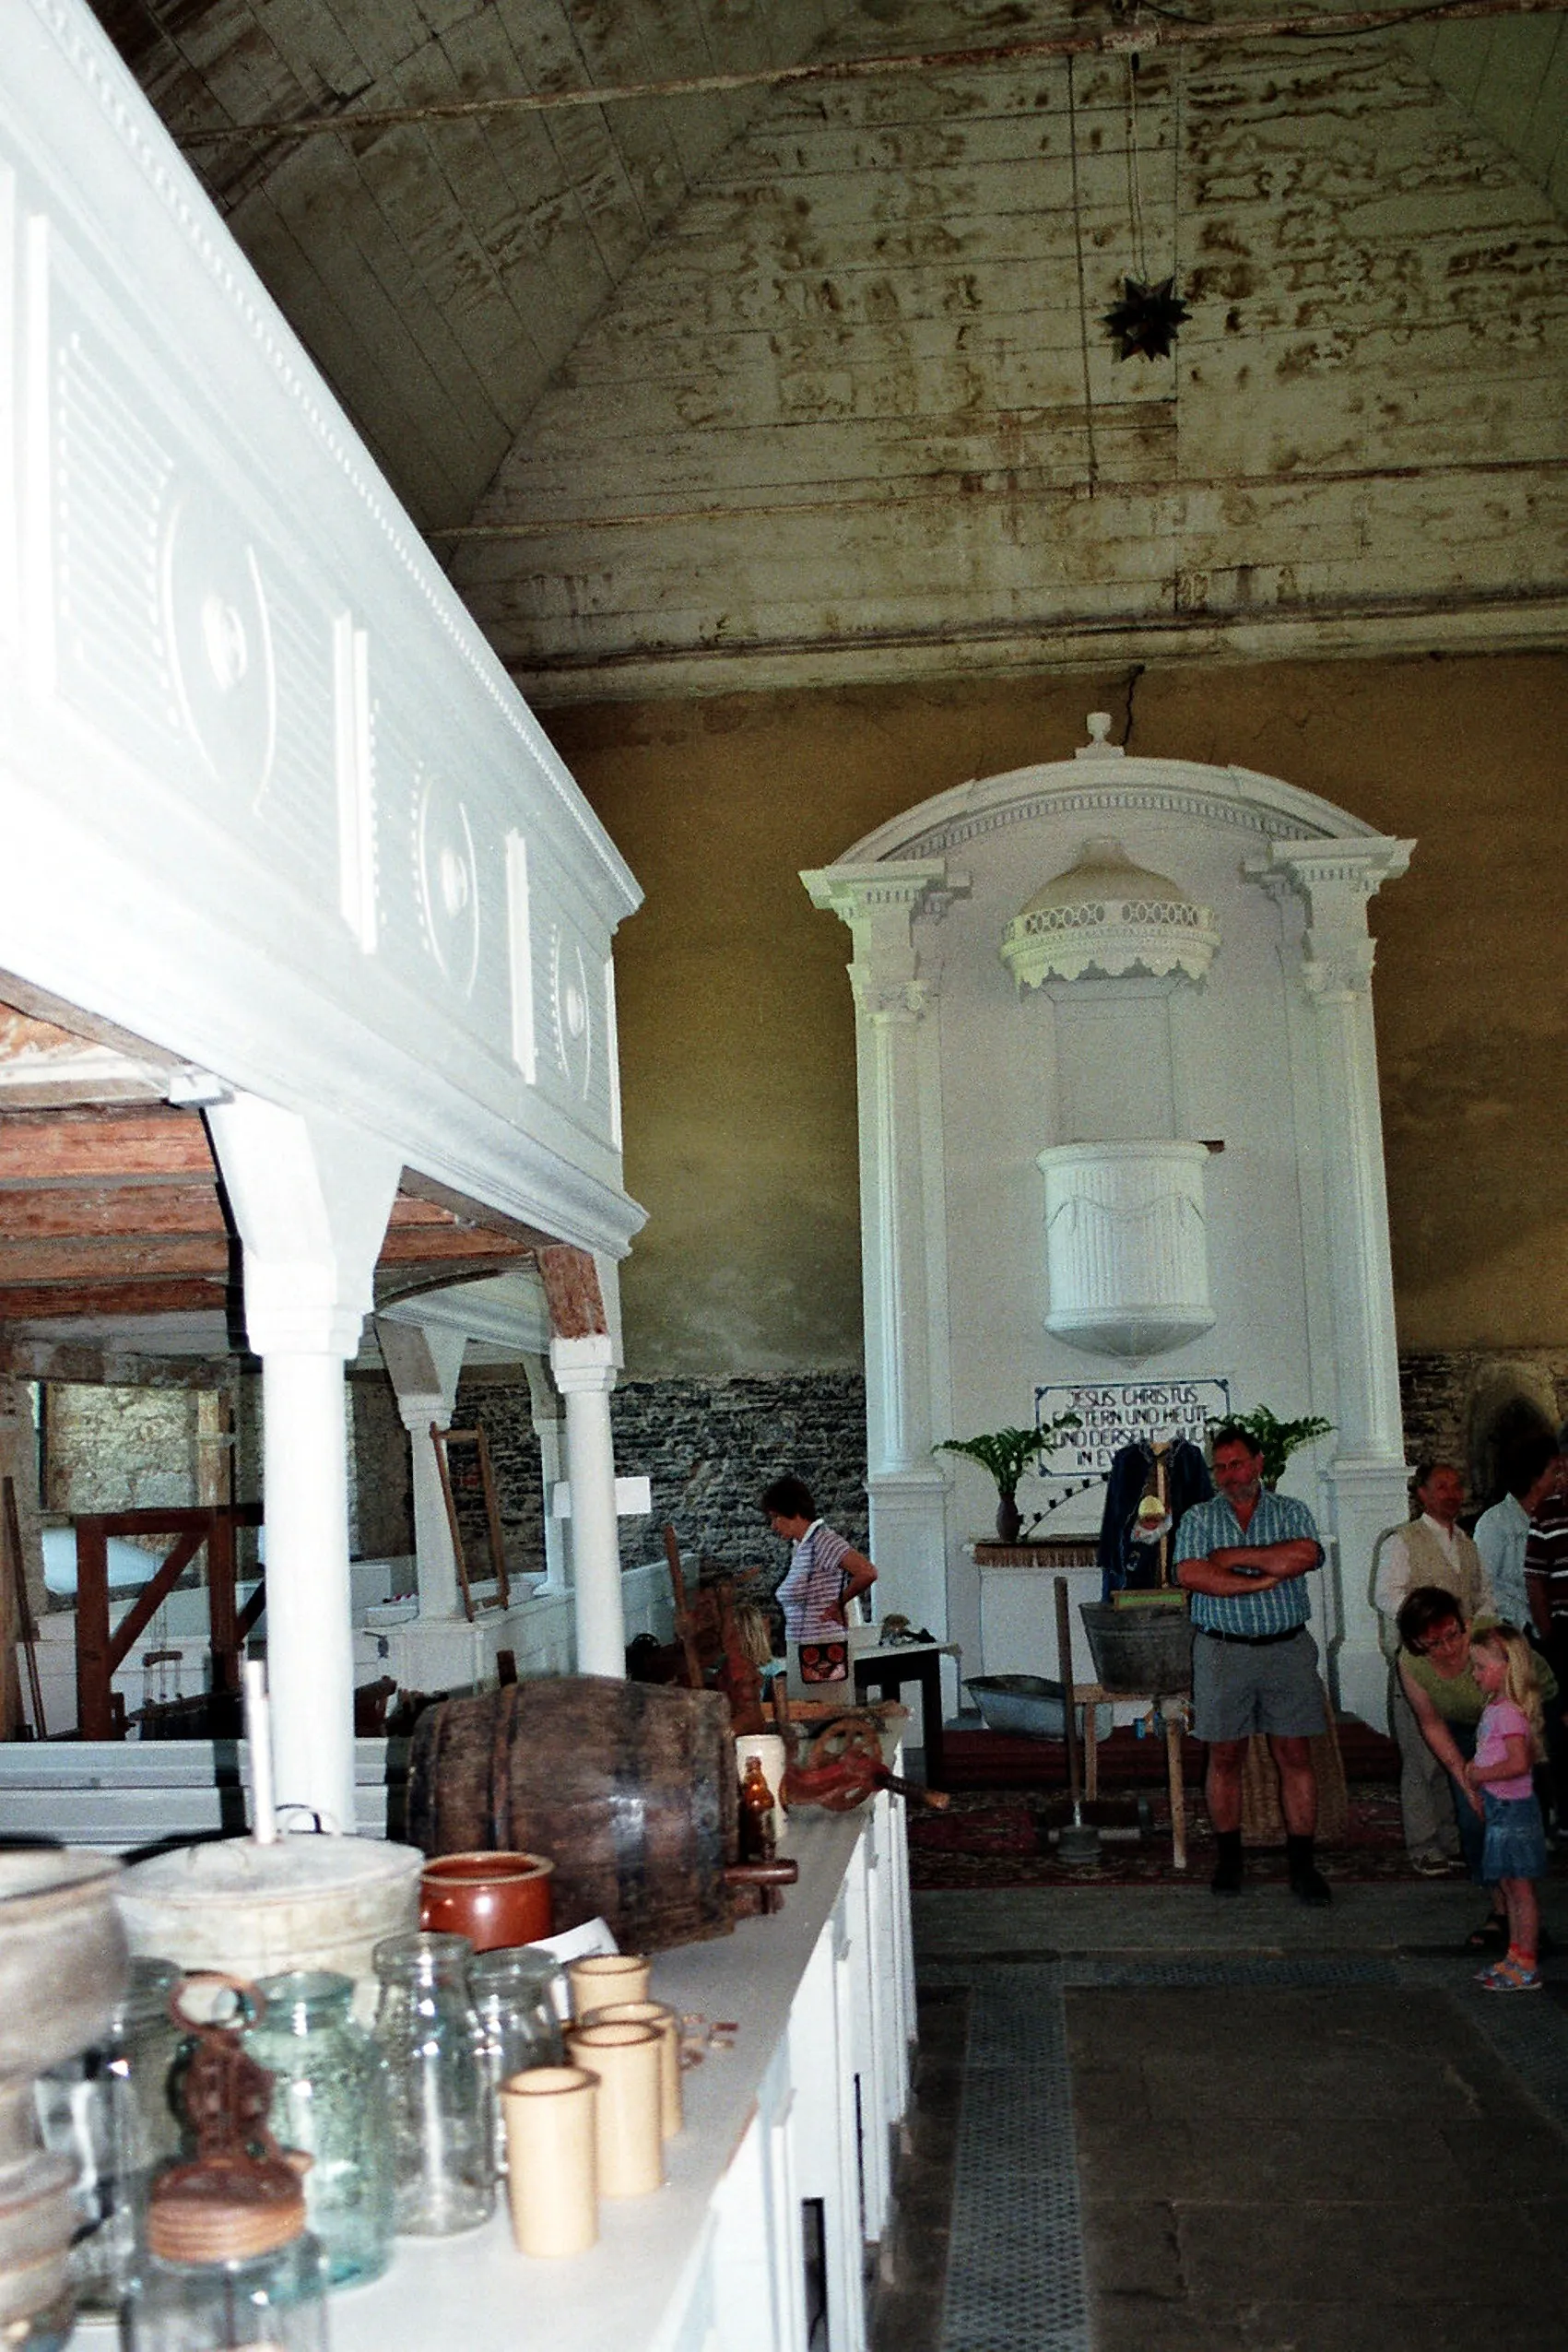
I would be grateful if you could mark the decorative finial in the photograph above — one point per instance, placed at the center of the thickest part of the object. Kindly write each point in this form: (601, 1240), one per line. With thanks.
(1099, 746)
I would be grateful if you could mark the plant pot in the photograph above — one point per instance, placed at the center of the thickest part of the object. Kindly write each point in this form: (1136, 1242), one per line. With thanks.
(1009, 1520)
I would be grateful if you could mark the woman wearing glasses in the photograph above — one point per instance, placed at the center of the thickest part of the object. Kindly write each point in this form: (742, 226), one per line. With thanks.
(1434, 1674)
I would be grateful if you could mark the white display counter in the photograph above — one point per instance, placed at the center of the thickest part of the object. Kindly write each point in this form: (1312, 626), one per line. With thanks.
(802, 2109)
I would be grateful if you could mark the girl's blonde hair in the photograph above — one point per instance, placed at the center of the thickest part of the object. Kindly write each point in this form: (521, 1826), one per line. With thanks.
(1520, 1685)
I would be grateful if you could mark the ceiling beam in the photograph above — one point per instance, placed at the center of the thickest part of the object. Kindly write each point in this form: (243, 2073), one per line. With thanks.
(50, 1303)
(122, 1259)
(88, 1212)
(109, 1146)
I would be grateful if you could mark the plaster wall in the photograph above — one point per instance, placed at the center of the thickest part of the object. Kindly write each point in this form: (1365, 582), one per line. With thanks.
(736, 1020)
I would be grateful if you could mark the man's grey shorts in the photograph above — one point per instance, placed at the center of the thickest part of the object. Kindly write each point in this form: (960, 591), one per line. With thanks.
(1238, 1687)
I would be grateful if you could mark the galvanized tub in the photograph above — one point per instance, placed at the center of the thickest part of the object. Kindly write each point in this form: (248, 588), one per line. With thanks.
(1029, 1705)
(1141, 1651)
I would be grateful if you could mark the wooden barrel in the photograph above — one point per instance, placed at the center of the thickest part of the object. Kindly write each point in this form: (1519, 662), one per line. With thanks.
(629, 1788)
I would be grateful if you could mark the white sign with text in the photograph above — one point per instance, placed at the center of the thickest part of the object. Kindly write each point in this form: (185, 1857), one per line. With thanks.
(1114, 1413)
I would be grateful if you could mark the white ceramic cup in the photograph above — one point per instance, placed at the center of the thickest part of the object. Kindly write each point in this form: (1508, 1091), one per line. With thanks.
(658, 2014)
(599, 1977)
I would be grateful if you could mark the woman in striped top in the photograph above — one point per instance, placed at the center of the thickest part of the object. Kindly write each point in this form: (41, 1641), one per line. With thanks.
(825, 1576)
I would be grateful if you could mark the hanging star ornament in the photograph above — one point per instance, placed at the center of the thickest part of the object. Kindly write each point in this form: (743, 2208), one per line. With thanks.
(1145, 319)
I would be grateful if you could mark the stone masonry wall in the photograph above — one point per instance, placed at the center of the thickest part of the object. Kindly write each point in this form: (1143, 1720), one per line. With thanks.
(709, 1447)
(1469, 1405)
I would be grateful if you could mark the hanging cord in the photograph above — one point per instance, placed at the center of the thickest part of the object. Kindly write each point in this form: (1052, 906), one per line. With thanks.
(1134, 176)
(1082, 288)
(1177, 74)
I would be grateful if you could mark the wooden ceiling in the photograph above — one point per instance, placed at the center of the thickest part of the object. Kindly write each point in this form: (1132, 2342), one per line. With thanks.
(114, 1218)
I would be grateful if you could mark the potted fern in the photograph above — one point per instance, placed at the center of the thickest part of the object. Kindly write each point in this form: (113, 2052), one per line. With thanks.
(1277, 1440)
(1007, 1454)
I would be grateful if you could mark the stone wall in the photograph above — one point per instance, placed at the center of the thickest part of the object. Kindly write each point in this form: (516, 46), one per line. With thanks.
(709, 1447)
(1469, 1405)
(381, 1499)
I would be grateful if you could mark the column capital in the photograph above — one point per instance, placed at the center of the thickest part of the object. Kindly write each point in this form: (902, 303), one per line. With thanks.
(880, 903)
(584, 1367)
(1338, 878)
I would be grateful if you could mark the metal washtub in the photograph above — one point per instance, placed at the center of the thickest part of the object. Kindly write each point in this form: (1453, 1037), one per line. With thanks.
(1139, 1649)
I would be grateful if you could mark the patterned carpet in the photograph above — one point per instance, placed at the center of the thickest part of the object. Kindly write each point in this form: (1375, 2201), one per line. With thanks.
(1009, 1796)
(1002, 1837)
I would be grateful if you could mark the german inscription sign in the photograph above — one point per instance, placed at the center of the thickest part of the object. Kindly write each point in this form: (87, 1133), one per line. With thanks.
(1114, 1413)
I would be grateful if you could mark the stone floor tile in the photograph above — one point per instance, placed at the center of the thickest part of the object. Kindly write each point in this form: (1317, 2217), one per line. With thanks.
(1144, 2323)
(1131, 2248)
(1398, 2255)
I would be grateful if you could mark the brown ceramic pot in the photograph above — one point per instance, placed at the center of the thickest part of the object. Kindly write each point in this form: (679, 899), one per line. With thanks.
(493, 1900)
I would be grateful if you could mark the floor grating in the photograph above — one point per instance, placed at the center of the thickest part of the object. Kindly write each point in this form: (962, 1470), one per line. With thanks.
(1016, 2279)
(1014, 2272)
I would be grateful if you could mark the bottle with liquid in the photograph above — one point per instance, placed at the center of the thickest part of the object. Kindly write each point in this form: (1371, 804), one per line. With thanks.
(757, 1840)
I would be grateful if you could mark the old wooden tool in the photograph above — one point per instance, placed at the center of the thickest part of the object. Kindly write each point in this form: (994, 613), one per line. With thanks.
(842, 1766)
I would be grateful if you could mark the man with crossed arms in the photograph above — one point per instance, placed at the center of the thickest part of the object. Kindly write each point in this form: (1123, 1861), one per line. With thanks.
(1244, 1558)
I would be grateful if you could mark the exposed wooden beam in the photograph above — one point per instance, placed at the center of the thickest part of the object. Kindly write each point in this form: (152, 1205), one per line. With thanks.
(88, 1212)
(45, 1303)
(125, 1258)
(112, 1367)
(403, 1248)
(110, 1146)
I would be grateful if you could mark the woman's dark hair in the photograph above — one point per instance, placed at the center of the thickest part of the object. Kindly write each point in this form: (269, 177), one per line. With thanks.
(1421, 1613)
(1531, 1456)
(791, 1498)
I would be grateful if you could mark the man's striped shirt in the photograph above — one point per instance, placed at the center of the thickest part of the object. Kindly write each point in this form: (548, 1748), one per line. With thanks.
(1213, 1527)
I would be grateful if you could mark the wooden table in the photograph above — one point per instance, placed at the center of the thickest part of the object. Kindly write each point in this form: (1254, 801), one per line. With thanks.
(887, 1671)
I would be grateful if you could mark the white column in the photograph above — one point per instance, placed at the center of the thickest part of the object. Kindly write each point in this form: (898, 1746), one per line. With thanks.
(584, 1373)
(908, 1492)
(311, 1199)
(546, 1413)
(424, 1362)
(1337, 879)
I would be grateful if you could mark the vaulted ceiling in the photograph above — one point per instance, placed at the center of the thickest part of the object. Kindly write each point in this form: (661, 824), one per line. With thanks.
(738, 376)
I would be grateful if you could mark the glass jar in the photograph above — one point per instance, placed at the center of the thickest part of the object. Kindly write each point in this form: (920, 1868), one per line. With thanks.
(275, 2301)
(520, 2026)
(442, 2139)
(108, 2111)
(329, 2100)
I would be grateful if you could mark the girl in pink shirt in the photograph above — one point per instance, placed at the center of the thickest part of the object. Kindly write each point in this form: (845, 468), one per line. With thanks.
(1508, 1743)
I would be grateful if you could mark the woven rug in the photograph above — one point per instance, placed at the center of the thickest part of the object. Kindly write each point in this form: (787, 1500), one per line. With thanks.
(1008, 1795)
(1002, 1837)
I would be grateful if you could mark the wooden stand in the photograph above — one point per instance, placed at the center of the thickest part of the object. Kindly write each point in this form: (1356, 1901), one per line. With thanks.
(1088, 1695)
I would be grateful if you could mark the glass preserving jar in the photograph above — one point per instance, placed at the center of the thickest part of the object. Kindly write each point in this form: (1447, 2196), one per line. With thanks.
(329, 2100)
(443, 2138)
(108, 2111)
(273, 2301)
(519, 2024)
